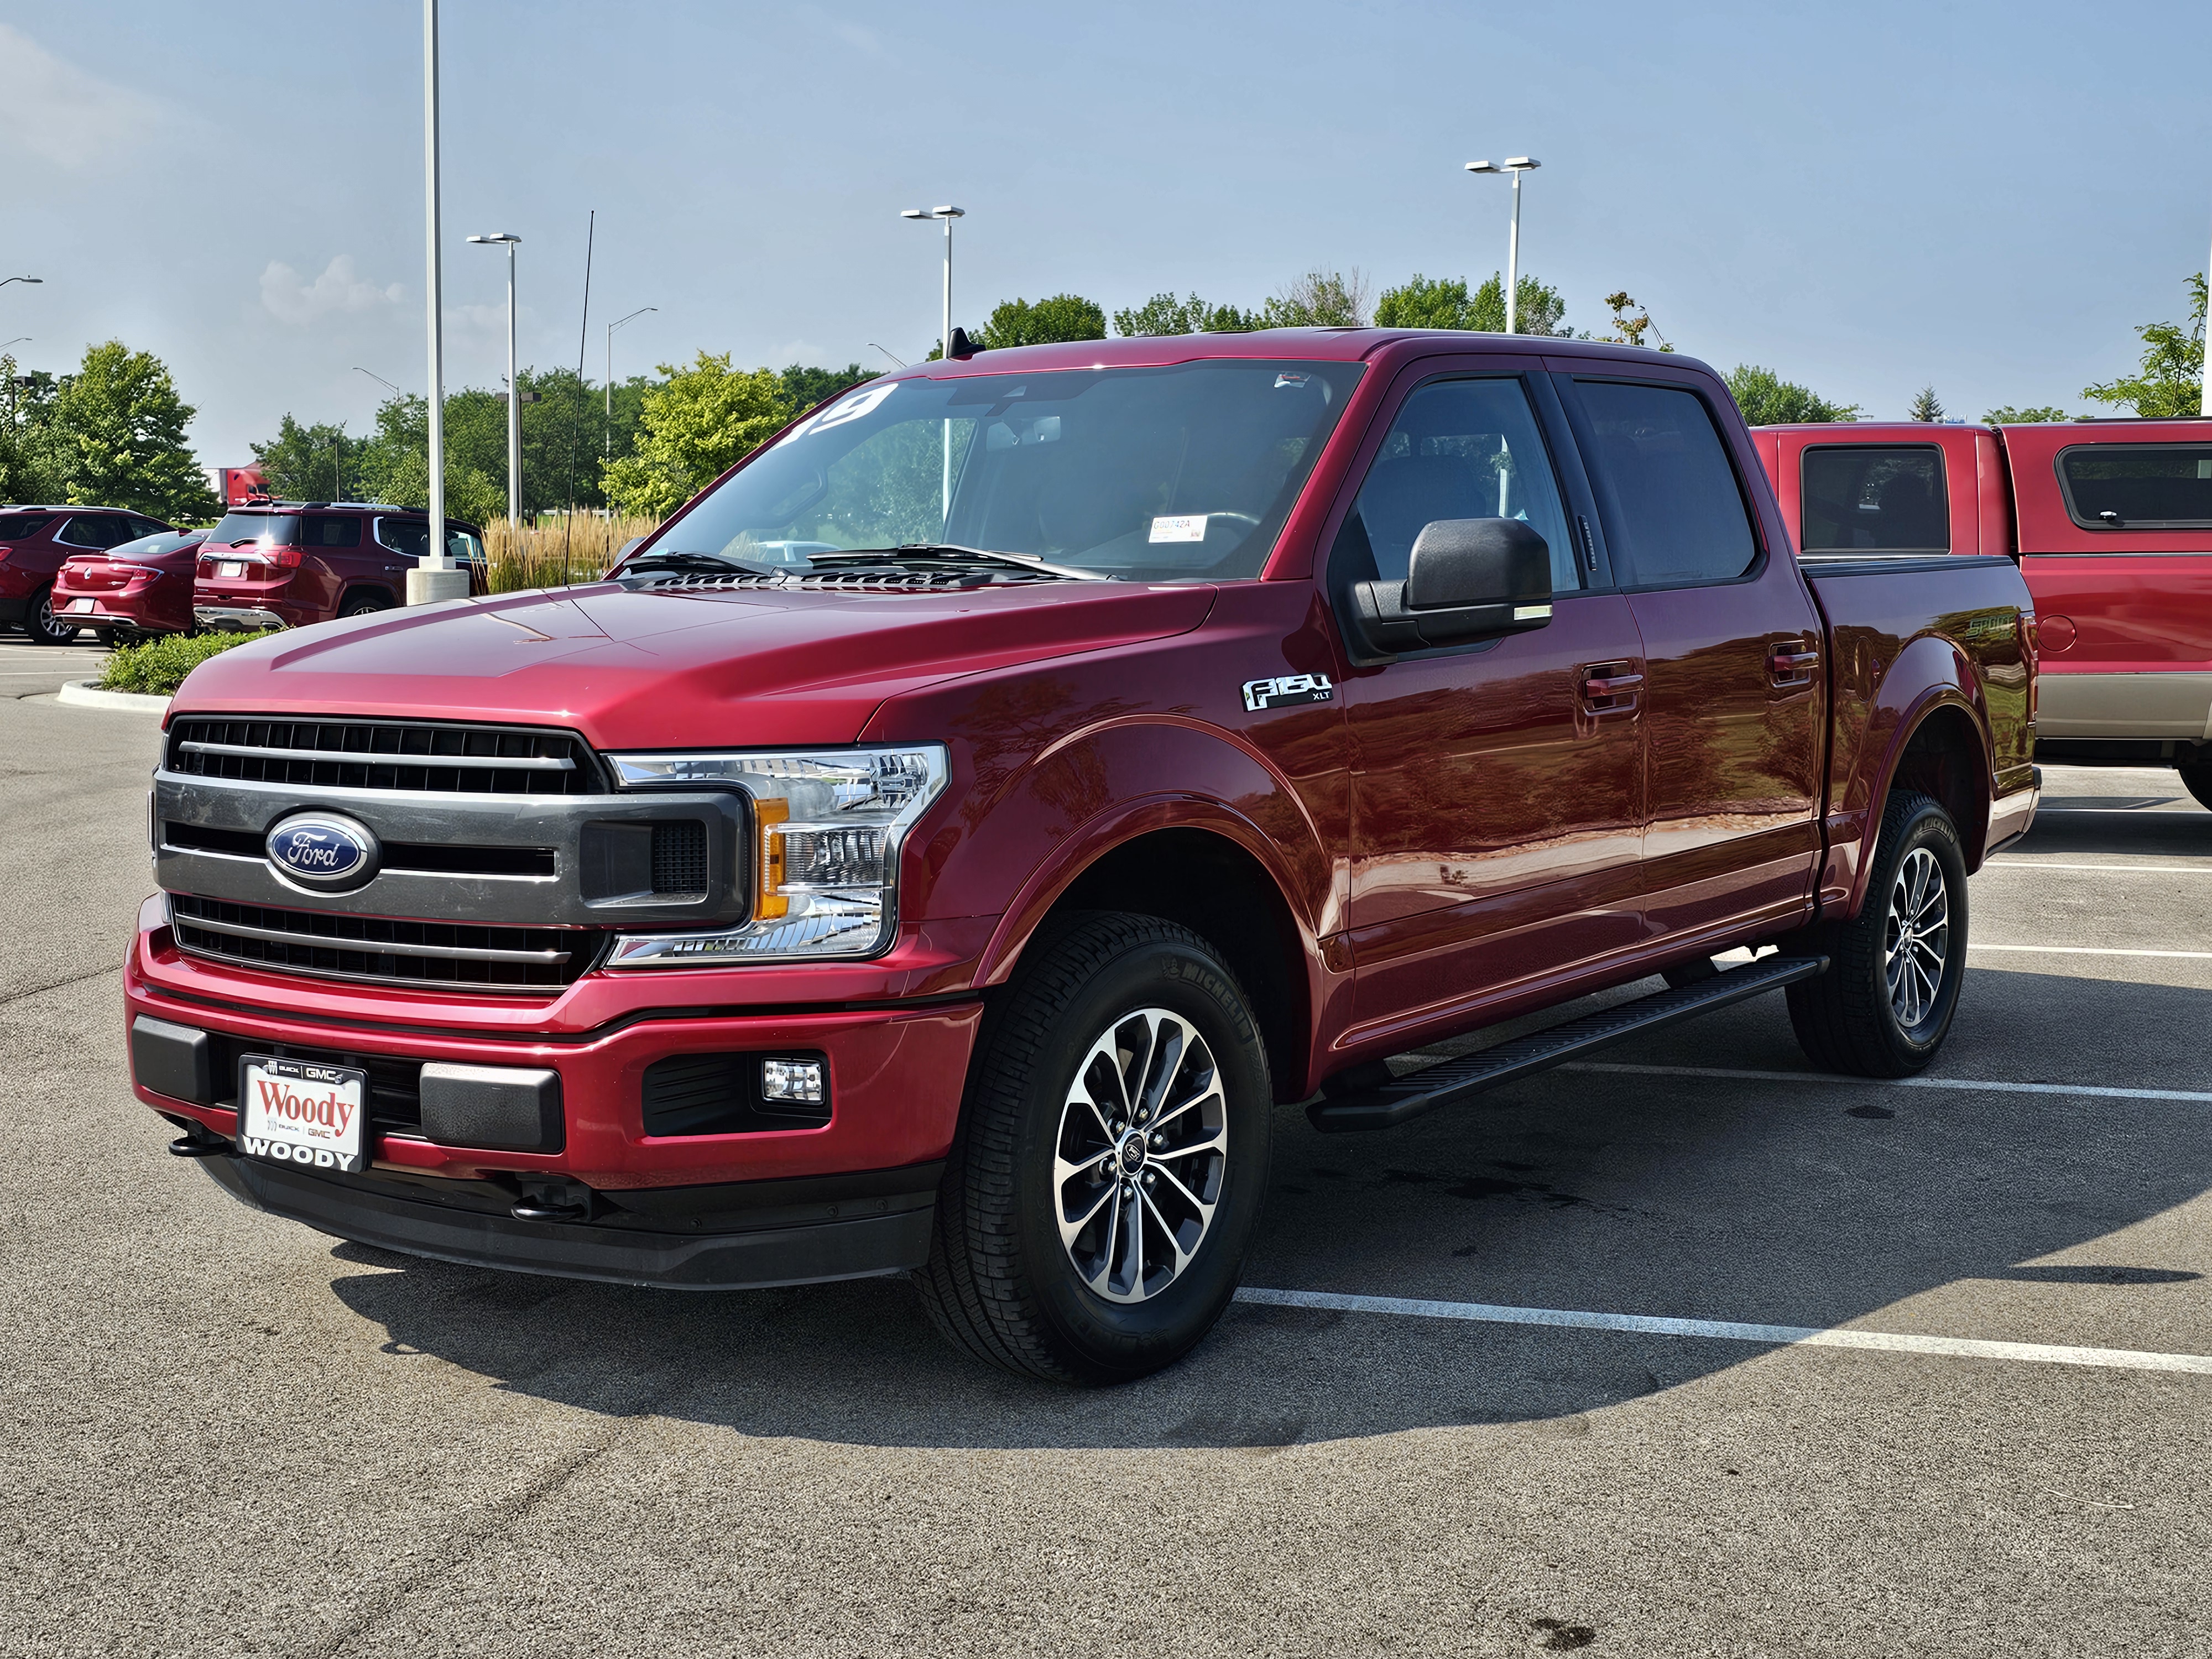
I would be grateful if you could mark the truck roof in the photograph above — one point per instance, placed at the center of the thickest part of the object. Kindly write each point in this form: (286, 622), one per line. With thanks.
(1320, 344)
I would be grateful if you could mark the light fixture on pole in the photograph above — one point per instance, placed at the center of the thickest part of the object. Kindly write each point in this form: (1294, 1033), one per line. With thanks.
(944, 344)
(607, 442)
(34, 281)
(434, 577)
(1515, 165)
(873, 346)
(380, 380)
(20, 338)
(511, 241)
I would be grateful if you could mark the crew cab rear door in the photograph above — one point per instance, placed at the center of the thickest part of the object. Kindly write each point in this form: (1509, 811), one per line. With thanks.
(1496, 788)
(1734, 653)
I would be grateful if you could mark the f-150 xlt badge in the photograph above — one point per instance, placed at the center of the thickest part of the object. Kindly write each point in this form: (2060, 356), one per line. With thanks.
(323, 850)
(1286, 689)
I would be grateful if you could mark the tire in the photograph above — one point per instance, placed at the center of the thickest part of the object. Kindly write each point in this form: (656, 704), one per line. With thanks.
(1852, 1018)
(1087, 1009)
(41, 626)
(2197, 778)
(363, 604)
(105, 638)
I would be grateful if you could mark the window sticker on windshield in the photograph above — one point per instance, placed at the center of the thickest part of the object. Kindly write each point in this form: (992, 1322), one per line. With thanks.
(862, 403)
(1288, 379)
(1185, 528)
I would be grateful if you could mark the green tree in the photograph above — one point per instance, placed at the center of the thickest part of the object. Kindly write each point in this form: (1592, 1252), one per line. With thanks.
(30, 465)
(1165, 314)
(315, 463)
(804, 388)
(2006, 415)
(1767, 400)
(2170, 378)
(1320, 299)
(395, 465)
(1925, 406)
(119, 436)
(1064, 316)
(1438, 302)
(1631, 322)
(703, 419)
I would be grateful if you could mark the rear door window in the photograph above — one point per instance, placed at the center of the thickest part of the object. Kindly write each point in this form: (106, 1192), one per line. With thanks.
(411, 537)
(1876, 499)
(333, 531)
(93, 530)
(2137, 486)
(1677, 512)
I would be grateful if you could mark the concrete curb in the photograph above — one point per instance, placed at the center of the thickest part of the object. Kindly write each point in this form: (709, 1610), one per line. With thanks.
(85, 695)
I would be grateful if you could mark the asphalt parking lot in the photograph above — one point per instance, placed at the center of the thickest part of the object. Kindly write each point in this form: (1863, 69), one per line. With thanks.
(226, 1434)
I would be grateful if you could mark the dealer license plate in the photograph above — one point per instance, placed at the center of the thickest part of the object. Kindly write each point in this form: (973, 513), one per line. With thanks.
(80, 604)
(295, 1111)
(230, 568)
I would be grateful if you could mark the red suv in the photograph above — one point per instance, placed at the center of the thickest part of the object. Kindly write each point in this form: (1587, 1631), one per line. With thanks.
(138, 590)
(35, 542)
(286, 565)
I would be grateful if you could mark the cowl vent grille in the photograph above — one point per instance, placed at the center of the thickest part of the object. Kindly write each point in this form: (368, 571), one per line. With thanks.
(419, 757)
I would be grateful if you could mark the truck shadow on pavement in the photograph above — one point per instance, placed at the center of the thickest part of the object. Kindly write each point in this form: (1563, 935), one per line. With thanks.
(1728, 1198)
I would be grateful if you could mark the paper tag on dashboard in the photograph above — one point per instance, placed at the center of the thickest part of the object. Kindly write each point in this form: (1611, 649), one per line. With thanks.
(1189, 528)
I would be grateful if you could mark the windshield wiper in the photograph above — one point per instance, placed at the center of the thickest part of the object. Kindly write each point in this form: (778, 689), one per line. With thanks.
(673, 560)
(951, 552)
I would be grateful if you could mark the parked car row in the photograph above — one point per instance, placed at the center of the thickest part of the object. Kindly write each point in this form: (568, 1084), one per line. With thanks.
(268, 564)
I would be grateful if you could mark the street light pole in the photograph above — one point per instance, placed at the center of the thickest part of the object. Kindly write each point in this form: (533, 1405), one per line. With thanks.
(948, 214)
(1515, 165)
(513, 391)
(434, 577)
(607, 438)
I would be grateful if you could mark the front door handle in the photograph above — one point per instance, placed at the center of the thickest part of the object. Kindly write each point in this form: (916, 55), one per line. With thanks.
(1791, 662)
(1610, 688)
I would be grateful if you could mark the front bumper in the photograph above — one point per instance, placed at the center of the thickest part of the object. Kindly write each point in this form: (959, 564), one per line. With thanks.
(703, 1238)
(237, 618)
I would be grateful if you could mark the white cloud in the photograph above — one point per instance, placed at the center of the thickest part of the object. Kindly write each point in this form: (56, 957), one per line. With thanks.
(339, 290)
(59, 114)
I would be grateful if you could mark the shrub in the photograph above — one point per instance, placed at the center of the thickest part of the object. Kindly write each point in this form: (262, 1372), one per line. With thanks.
(158, 668)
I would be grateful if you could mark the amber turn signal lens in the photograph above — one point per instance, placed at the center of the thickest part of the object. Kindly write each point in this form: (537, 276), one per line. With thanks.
(768, 900)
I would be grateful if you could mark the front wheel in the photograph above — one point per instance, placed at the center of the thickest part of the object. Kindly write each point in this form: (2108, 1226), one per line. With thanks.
(40, 623)
(1109, 1170)
(1885, 1005)
(2197, 778)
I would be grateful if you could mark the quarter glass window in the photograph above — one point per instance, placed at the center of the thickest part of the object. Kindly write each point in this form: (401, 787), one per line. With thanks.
(1459, 449)
(1677, 508)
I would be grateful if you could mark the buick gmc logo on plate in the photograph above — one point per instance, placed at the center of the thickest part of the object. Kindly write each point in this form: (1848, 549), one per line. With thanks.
(323, 850)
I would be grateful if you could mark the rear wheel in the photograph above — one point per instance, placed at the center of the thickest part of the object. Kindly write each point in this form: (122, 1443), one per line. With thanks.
(2197, 778)
(1885, 1005)
(363, 604)
(1112, 1159)
(40, 623)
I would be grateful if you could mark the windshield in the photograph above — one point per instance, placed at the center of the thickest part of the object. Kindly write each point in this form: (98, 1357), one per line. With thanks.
(281, 529)
(1184, 473)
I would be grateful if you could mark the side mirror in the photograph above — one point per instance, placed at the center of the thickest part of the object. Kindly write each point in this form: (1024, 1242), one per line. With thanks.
(1466, 579)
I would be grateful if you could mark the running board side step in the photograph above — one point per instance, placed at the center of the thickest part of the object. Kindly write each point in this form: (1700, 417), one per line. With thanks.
(1448, 1082)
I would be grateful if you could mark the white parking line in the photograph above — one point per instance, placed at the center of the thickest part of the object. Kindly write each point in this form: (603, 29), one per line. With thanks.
(1951, 1347)
(2157, 811)
(2088, 950)
(2102, 869)
(2093, 1091)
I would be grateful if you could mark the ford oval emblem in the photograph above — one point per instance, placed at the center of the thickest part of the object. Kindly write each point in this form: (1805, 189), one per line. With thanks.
(323, 850)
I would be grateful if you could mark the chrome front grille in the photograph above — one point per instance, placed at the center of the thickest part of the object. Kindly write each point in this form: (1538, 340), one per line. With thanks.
(414, 756)
(427, 955)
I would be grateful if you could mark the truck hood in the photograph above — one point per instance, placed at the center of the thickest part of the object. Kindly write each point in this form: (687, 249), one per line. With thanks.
(660, 669)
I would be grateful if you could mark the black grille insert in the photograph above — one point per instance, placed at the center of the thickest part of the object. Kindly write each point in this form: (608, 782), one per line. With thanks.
(679, 857)
(420, 756)
(431, 955)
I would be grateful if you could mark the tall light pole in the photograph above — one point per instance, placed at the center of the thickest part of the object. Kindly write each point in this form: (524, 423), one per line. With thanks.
(1515, 165)
(513, 391)
(948, 214)
(435, 577)
(607, 441)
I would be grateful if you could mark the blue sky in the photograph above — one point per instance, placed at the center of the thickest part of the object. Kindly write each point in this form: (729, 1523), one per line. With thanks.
(1988, 197)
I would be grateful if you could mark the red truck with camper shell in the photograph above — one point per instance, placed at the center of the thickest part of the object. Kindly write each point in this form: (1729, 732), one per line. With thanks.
(2109, 520)
(943, 843)
(290, 564)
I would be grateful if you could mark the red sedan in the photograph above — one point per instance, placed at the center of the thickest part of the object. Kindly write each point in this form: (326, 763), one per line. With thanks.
(133, 592)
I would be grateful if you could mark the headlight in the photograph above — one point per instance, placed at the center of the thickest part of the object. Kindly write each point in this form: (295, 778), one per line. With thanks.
(827, 826)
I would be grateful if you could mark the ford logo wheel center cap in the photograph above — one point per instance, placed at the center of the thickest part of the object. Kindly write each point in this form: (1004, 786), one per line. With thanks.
(325, 852)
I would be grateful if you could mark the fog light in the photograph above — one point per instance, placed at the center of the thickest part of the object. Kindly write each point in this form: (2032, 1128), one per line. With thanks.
(797, 1081)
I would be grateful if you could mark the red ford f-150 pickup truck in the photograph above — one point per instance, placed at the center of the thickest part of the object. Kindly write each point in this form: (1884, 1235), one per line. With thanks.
(944, 842)
(2111, 522)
